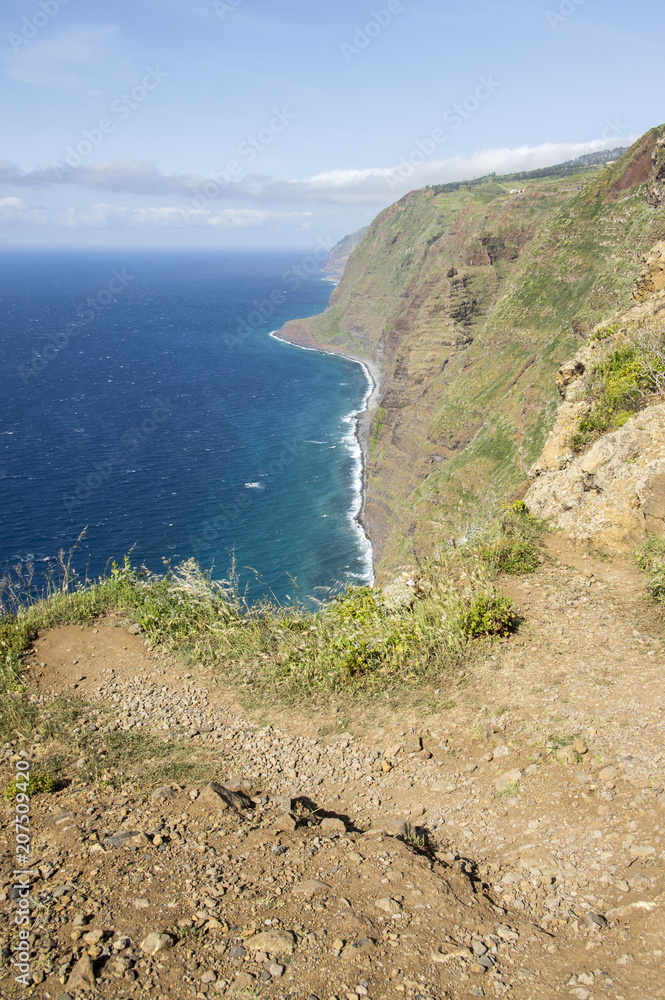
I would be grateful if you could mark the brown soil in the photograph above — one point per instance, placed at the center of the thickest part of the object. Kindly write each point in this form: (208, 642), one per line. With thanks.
(546, 881)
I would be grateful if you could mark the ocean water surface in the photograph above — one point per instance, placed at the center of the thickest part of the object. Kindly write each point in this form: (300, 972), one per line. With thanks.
(143, 398)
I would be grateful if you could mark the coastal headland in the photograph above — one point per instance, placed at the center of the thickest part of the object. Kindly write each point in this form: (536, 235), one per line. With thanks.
(469, 297)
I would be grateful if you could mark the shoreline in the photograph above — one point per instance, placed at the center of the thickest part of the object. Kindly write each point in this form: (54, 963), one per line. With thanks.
(360, 434)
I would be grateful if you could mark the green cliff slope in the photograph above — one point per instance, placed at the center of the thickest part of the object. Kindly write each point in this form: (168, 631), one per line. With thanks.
(470, 297)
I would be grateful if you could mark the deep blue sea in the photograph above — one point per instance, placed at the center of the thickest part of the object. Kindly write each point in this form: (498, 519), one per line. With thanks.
(143, 398)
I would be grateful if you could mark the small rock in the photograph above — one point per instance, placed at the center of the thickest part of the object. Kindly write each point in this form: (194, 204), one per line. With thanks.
(244, 980)
(355, 949)
(392, 826)
(272, 942)
(237, 951)
(566, 755)
(311, 885)
(608, 774)
(162, 794)
(444, 787)
(332, 825)
(118, 839)
(286, 823)
(208, 977)
(413, 744)
(444, 954)
(134, 629)
(215, 797)
(595, 920)
(82, 976)
(580, 747)
(276, 971)
(93, 938)
(501, 751)
(388, 905)
(154, 943)
(506, 779)
(507, 933)
(619, 912)
(141, 904)
(643, 850)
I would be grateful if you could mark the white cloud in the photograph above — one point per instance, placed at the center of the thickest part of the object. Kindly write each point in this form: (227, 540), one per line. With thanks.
(371, 186)
(15, 212)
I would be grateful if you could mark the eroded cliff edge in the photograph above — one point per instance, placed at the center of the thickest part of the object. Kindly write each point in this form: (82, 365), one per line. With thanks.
(470, 297)
(609, 491)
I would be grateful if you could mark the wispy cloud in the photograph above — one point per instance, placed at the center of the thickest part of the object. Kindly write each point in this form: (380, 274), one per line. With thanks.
(16, 212)
(66, 58)
(372, 186)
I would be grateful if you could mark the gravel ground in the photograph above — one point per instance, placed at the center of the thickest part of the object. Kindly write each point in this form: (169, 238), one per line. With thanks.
(512, 844)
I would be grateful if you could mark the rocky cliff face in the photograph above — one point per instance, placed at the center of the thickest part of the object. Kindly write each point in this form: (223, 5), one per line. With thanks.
(470, 298)
(614, 494)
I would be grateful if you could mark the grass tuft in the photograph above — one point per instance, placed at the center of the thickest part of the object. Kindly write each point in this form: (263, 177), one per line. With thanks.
(650, 558)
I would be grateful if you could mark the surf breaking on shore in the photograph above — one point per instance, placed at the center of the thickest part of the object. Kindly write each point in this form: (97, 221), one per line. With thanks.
(356, 445)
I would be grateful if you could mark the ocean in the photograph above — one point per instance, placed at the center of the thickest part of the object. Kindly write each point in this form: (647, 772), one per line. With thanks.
(143, 400)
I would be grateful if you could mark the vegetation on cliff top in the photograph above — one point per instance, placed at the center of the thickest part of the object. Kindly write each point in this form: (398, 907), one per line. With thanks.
(360, 640)
(622, 385)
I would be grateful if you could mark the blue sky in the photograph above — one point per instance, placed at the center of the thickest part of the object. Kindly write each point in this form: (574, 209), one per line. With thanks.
(248, 122)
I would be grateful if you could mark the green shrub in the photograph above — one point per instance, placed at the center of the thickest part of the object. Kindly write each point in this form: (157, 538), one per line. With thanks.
(604, 332)
(512, 544)
(37, 783)
(14, 639)
(489, 615)
(621, 386)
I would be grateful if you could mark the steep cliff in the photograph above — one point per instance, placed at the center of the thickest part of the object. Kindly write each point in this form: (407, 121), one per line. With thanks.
(608, 489)
(470, 297)
(340, 253)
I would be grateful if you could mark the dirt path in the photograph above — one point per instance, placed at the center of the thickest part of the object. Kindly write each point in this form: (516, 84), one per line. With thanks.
(512, 844)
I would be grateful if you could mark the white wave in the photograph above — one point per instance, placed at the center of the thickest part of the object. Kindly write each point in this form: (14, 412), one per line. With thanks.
(352, 442)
